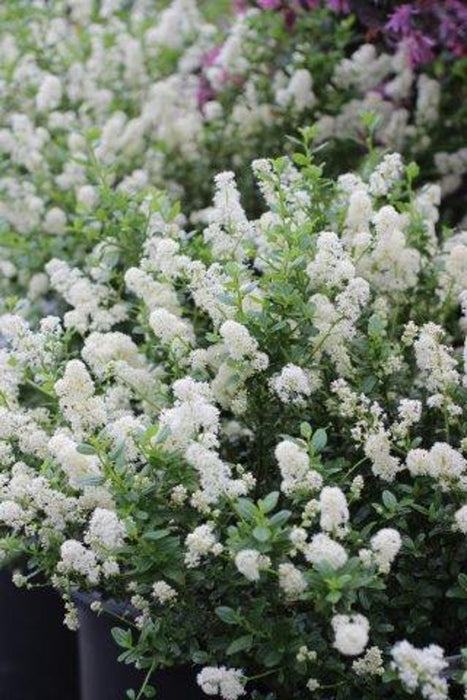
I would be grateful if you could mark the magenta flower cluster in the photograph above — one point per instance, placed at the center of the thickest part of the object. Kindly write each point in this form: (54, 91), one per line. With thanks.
(426, 27)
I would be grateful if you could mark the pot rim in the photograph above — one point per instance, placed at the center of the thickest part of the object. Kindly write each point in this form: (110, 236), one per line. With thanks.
(110, 606)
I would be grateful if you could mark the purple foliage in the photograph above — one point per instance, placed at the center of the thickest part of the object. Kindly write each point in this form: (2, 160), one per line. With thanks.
(426, 27)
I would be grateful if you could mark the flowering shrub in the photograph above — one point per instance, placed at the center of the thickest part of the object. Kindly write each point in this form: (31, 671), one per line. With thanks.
(254, 433)
(386, 75)
(427, 27)
(136, 96)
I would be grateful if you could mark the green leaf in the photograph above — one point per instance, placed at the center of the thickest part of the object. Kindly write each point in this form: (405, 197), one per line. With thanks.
(240, 644)
(93, 133)
(90, 480)
(270, 502)
(412, 171)
(368, 119)
(246, 509)
(305, 430)
(199, 657)
(334, 597)
(156, 534)
(162, 435)
(389, 500)
(375, 326)
(369, 383)
(122, 637)
(174, 211)
(300, 159)
(272, 658)
(280, 518)
(227, 615)
(261, 533)
(319, 440)
(85, 449)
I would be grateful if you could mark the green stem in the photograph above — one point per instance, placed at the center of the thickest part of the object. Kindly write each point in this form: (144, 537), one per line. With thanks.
(263, 675)
(146, 680)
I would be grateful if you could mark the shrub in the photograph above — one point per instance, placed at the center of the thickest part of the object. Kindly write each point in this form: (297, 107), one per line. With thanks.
(138, 95)
(254, 436)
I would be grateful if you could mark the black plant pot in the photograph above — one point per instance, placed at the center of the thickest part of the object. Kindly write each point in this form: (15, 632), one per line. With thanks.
(103, 677)
(38, 655)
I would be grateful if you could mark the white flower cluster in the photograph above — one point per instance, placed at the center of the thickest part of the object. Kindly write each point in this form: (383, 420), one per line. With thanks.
(370, 664)
(385, 546)
(91, 302)
(226, 682)
(421, 669)
(294, 385)
(105, 530)
(295, 469)
(334, 511)
(351, 634)
(442, 462)
(221, 431)
(201, 542)
(249, 562)
(163, 592)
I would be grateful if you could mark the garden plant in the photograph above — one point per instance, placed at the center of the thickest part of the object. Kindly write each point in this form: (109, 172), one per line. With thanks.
(233, 360)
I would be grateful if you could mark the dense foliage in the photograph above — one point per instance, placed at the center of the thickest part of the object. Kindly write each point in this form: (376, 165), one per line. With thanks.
(258, 430)
(138, 95)
(232, 387)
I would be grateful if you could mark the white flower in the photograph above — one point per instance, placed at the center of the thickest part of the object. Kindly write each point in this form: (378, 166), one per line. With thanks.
(226, 682)
(371, 664)
(229, 229)
(12, 514)
(460, 518)
(417, 461)
(323, 550)
(332, 265)
(445, 464)
(378, 450)
(428, 98)
(102, 352)
(334, 510)
(291, 581)
(50, 94)
(249, 562)
(163, 592)
(214, 474)
(55, 221)
(386, 174)
(193, 416)
(200, 543)
(421, 668)
(385, 545)
(298, 93)
(410, 412)
(76, 558)
(294, 385)
(78, 467)
(168, 327)
(313, 684)
(105, 529)
(356, 487)
(238, 342)
(351, 634)
(294, 465)
(87, 196)
(77, 399)
(435, 359)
